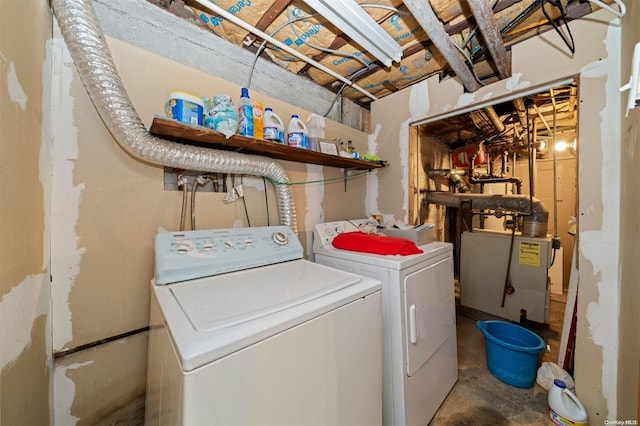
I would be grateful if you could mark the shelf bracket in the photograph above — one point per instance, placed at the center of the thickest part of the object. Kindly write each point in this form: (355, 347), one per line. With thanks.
(345, 173)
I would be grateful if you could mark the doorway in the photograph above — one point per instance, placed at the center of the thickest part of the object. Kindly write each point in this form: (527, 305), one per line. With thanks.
(526, 146)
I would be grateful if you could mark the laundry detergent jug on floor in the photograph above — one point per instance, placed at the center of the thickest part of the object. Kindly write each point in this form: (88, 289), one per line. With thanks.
(564, 407)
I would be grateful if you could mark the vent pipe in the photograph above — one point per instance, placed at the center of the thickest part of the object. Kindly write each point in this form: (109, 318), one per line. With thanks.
(535, 213)
(92, 57)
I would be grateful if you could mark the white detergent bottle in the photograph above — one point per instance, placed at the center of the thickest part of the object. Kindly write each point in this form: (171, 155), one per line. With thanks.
(564, 407)
(273, 126)
(297, 133)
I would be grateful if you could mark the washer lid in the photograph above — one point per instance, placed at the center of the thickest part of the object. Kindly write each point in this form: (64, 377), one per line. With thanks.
(210, 318)
(231, 299)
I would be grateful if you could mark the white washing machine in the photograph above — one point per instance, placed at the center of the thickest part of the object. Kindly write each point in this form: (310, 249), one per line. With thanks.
(420, 363)
(243, 331)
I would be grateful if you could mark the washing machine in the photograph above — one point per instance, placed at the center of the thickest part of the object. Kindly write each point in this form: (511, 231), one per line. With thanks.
(244, 331)
(419, 354)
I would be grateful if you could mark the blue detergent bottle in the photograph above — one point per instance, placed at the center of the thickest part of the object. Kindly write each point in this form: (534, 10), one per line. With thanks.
(245, 114)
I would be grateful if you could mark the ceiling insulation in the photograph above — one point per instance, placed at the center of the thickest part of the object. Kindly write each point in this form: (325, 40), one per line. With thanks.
(480, 37)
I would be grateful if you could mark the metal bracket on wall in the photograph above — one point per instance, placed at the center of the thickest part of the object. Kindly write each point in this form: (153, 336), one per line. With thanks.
(216, 183)
(345, 173)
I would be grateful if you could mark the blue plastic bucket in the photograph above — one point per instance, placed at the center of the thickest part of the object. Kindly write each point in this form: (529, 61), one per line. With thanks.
(512, 352)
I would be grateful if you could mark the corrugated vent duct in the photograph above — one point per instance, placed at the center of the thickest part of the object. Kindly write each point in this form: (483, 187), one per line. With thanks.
(92, 57)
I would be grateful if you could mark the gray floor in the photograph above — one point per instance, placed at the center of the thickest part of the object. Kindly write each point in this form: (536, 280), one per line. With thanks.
(479, 398)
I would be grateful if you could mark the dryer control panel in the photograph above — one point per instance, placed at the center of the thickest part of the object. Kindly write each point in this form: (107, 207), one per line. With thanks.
(324, 233)
(186, 255)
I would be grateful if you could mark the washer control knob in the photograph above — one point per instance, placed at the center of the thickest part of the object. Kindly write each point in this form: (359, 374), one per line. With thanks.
(183, 249)
(280, 238)
(207, 247)
(228, 244)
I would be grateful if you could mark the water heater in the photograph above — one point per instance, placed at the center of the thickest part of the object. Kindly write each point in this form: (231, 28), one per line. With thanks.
(484, 257)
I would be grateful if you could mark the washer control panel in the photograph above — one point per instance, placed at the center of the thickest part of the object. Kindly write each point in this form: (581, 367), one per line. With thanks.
(185, 255)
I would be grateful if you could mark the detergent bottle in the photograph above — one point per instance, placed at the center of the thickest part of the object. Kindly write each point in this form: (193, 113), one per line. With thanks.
(258, 120)
(273, 126)
(245, 114)
(564, 407)
(297, 133)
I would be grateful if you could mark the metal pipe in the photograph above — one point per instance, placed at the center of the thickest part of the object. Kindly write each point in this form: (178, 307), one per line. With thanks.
(492, 115)
(92, 57)
(493, 179)
(555, 160)
(184, 185)
(535, 213)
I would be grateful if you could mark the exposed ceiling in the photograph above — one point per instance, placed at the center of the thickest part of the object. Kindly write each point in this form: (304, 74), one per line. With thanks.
(469, 40)
(510, 125)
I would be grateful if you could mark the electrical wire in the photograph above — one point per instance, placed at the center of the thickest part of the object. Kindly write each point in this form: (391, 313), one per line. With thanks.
(275, 182)
(563, 16)
(264, 44)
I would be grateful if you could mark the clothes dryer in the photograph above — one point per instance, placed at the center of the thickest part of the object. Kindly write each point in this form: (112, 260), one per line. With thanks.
(244, 331)
(420, 364)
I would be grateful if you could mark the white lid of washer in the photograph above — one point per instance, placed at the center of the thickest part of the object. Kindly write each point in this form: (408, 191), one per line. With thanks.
(209, 318)
(232, 299)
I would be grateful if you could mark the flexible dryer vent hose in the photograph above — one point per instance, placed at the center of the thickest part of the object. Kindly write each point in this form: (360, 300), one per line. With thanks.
(92, 57)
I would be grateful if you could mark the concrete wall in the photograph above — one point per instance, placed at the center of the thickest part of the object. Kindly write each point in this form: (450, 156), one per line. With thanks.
(25, 322)
(537, 63)
(629, 335)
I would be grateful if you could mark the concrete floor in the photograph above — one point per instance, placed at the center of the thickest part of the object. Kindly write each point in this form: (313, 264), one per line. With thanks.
(479, 398)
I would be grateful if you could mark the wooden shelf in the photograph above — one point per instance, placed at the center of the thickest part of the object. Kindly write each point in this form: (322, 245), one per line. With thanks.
(202, 136)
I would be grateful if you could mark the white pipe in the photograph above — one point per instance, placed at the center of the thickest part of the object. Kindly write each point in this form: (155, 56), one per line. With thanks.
(605, 6)
(217, 9)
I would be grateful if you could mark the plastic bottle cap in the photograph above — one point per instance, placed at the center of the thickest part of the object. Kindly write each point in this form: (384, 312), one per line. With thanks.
(268, 109)
(559, 383)
(244, 92)
(294, 116)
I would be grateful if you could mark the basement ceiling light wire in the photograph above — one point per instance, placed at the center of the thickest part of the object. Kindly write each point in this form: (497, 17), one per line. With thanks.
(350, 18)
(220, 11)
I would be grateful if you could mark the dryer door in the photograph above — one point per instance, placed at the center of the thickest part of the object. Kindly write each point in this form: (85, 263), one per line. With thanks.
(429, 311)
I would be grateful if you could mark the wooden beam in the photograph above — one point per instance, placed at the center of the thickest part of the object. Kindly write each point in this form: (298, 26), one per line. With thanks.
(422, 11)
(267, 19)
(488, 25)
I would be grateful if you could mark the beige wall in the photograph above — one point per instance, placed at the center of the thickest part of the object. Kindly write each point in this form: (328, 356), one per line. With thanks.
(536, 63)
(25, 328)
(107, 207)
(629, 333)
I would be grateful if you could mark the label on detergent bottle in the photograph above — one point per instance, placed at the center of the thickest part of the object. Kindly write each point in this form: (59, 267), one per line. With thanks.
(297, 140)
(556, 419)
(184, 107)
(270, 133)
(297, 134)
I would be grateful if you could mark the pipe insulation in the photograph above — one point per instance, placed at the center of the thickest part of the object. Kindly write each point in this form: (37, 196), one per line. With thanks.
(92, 57)
(536, 214)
